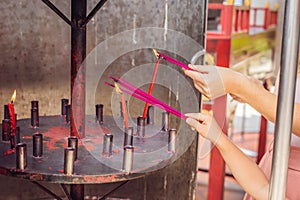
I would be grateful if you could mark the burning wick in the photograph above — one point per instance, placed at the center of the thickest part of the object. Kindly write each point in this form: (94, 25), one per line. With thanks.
(152, 83)
(124, 109)
(12, 117)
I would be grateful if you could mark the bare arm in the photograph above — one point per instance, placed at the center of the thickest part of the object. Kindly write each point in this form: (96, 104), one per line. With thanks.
(246, 172)
(241, 86)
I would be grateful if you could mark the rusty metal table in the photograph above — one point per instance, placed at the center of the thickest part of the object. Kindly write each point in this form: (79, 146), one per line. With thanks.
(150, 154)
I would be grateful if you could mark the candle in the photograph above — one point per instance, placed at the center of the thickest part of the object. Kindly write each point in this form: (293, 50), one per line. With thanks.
(35, 122)
(12, 119)
(124, 108)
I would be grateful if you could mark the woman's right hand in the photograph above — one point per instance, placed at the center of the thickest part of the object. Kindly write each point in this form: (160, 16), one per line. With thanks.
(211, 81)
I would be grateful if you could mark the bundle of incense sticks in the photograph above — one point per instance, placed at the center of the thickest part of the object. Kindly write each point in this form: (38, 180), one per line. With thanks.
(172, 60)
(142, 95)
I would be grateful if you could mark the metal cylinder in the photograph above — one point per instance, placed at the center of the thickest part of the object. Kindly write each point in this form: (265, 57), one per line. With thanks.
(99, 113)
(121, 108)
(37, 145)
(73, 142)
(5, 130)
(64, 103)
(128, 136)
(150, 115)
(34, 104)
(172, 140)
(285, 101)
(68, 113)
(21, 156)
(128, 158)
(35, 118)
(107, 145)
(17, 135)
(141, 126)
(6, 112)
(165, 121)
(69, 161)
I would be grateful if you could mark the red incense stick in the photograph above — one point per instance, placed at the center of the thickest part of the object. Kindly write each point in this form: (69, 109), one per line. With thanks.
(151, 87)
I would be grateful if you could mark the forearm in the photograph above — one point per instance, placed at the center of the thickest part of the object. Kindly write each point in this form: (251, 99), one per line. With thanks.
(245, 171)
(260, 99)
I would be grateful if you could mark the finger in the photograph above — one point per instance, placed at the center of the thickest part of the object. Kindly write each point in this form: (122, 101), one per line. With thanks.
(200, 68)
(195, 124)
(196, 76)
(197, 116)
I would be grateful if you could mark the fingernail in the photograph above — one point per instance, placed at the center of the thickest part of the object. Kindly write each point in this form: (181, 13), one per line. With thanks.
(193, 129)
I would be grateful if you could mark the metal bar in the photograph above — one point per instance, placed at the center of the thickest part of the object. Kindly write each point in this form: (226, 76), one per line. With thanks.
(57, 11)
(77, 191)
(110, 192)
(285, 106)
(93, 12)
(46, 190)
(65, 190)
(78, 54)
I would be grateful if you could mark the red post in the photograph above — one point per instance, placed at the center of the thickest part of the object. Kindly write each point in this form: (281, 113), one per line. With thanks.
(236, 21)
(266, 19)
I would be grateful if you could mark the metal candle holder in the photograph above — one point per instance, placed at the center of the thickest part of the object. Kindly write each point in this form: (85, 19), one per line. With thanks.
(165, 121)
(64, 103)
(107, 145)
(21, 156)
(73, 143)
(6, 112)
(37, 145)
(35, 118)
(128, 158)
(172, 140)
(128, 136)
(99, 113)
(141, 126)
(69, 161)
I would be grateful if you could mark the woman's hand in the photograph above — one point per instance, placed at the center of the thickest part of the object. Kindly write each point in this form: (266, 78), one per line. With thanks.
(213, 81)
(205, 125)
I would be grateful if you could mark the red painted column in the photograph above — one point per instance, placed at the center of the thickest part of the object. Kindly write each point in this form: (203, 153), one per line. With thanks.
(217, 164)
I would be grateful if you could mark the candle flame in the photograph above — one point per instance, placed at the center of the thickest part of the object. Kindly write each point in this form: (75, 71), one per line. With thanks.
(118, 90)
(13, 97)
(155, 53)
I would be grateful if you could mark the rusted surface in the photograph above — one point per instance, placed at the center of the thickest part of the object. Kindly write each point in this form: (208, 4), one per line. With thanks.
(78, 54)
(91, 166)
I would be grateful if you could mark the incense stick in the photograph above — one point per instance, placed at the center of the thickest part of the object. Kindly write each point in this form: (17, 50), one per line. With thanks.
(151, 87)
(172, 60)
(140, 94)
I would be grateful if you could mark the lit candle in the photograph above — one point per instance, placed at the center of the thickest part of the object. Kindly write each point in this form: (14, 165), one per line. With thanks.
(12, 118)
